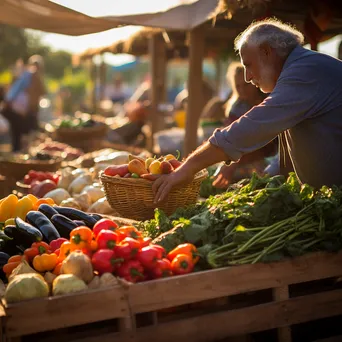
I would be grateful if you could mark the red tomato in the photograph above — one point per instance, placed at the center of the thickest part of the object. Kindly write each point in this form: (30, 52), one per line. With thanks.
(32, 174)
(104, 224)
(41, 176)
(27, 180)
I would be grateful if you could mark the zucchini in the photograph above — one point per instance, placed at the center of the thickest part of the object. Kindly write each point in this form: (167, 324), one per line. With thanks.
(47, 210)
(47, 229)
(75, 214)
(25, 233)
(63, 224)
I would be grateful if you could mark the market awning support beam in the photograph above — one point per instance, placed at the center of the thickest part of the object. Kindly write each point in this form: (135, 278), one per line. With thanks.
(195, 89)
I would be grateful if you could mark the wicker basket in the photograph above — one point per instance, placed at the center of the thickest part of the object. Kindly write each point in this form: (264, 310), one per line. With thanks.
(18, 169)
(133, 198)
(78, 136)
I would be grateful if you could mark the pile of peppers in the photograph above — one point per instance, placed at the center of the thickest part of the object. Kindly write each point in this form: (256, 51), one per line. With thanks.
(12, 207)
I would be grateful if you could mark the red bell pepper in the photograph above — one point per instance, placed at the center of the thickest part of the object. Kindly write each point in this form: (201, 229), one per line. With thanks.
(37, 248)
(145, 241)
(162, 269)
(127, 249)
(161, 250)
(131, 270)
(106, 239)
(56, 244)
(104, 224)
(104, 260)
(148, 257)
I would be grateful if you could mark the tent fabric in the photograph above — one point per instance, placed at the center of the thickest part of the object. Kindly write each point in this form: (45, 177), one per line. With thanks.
(50, 17)
(182, 17)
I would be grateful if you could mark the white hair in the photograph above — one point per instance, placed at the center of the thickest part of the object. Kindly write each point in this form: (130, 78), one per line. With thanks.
(280, 36)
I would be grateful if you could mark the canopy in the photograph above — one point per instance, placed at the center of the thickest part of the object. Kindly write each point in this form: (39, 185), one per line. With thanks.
(50, 17)
(168, 14)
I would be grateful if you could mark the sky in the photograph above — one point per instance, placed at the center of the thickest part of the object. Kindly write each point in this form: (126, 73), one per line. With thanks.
(100, 8)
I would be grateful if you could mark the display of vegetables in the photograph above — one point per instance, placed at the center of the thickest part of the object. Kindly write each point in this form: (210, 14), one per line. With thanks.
(72, 251)
(258, 220)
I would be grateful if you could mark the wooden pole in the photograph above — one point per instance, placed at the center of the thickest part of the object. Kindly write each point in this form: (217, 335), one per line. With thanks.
(218, 69)
(195, 80)
(103, 72)
(94, 83)
(157, 52)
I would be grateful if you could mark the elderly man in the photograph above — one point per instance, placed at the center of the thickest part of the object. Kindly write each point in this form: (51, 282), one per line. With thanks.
(304, 109)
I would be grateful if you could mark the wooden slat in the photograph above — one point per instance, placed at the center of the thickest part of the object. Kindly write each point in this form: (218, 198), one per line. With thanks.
(195, 287)
(279, 294)
(65, 311)
(215, 326)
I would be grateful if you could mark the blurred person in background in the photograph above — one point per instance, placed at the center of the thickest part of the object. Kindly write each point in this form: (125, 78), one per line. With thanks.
(115, 90)
(244, 96)
(21, 104)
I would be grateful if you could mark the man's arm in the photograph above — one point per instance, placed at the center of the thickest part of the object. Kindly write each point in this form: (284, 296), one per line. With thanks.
(292, 101)
(201, 158)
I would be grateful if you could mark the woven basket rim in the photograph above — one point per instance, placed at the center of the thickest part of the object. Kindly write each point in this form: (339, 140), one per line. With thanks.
(33, 162)
(143, 182)
(98, 126)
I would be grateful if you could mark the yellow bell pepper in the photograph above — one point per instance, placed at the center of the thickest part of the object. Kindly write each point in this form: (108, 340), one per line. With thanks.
(45, 262)
(7, 207)
(33, 198)
(23, 206)
(10, 222)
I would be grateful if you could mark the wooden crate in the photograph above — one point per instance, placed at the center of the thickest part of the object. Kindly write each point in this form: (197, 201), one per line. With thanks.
(67, 317)
(226, 304)
(220, 304)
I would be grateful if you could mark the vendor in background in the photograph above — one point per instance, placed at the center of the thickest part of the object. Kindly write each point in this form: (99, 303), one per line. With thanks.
(21, 105)
(115, 91)
(304, 108)
(244, 97)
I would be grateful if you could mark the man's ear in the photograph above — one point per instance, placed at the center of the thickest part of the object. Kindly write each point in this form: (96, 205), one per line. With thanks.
(265, 50)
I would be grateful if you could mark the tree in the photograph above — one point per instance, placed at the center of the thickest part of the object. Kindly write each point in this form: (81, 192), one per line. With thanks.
(56, 63)
(13, 45)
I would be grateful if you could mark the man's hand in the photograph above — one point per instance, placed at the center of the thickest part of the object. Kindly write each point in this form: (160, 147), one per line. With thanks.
(204, 156)
(225, 176)
(163, 185)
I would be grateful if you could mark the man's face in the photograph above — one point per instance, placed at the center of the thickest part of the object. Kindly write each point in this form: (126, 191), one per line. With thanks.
(260, 68)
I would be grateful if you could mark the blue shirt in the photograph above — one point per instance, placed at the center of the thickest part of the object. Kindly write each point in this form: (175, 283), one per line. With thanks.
(305, 108)
(21, 84)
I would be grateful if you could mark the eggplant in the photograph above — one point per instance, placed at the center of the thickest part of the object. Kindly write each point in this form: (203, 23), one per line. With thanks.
(79, 223)
(47, 210)
(75, 214)
(3, 258)
(97, 217)
(63, 225)
(47, 229)
(11, 248)
(25, 234)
